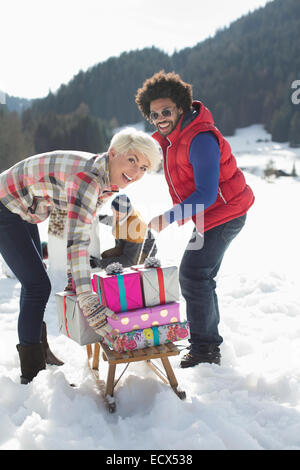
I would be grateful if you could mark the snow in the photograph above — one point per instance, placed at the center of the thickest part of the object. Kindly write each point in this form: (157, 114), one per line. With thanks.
(251, 402)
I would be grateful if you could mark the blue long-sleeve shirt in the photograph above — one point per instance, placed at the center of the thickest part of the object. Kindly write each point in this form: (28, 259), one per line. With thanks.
(204, 156)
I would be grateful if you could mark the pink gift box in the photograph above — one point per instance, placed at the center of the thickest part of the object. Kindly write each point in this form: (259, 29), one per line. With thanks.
(146, 317)
(119, 292)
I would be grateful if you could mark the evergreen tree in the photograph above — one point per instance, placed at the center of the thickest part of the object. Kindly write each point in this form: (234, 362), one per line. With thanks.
(74, 131)
(243, 74)
(13, 146)
(294, 134)
(280, 124)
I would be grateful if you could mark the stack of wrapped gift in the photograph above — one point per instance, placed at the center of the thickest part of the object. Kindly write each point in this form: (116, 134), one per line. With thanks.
(146, 301)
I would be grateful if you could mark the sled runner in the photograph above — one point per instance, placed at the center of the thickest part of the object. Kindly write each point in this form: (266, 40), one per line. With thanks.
(113, 358)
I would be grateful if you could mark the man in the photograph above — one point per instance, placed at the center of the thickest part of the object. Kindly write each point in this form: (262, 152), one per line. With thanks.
(205, 184)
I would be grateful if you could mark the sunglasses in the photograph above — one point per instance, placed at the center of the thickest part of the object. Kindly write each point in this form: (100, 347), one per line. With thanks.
(166, 112)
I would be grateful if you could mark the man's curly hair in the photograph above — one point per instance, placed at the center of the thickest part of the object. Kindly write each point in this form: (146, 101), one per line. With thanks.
(164, 85)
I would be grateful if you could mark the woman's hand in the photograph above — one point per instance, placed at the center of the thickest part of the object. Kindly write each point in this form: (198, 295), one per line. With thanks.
(96, 314)
(70, 284)
(158, 223)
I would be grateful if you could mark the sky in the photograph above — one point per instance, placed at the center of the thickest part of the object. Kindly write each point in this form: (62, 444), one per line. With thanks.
(43, 44)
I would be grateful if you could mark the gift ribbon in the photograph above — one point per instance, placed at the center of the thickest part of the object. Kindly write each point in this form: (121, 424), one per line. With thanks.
(65, 316)
(65, 313)
(122, 292)
(155, 335)
(161, 285)
(99, 291)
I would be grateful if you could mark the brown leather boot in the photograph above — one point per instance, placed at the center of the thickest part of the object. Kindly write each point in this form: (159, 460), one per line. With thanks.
(50, 358)
(32, 360)
(209, 354)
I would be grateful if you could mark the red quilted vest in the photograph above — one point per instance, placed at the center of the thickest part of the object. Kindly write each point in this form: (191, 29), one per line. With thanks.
(234, 198)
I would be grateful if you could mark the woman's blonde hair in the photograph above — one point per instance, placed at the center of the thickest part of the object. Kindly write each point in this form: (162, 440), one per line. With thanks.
(130, 139)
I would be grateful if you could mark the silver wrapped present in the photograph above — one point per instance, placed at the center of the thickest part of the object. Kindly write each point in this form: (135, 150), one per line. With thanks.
(160, 285)
(71, 320)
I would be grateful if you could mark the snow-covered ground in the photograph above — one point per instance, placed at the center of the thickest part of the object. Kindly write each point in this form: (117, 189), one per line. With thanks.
(251, 402)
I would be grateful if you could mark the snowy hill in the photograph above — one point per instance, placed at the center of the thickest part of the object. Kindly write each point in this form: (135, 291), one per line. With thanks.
(251, 402)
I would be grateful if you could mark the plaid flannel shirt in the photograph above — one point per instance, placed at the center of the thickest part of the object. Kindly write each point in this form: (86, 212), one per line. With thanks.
(76, 182)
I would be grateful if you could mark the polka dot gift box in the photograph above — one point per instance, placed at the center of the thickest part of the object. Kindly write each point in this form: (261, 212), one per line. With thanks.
(146, 317)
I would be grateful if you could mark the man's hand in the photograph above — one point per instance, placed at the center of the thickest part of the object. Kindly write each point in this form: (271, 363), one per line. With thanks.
(96, 314)
(94, 262)
(158, 223)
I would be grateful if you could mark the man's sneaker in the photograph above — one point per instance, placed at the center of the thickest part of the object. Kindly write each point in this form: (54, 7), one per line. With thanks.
(192, 358)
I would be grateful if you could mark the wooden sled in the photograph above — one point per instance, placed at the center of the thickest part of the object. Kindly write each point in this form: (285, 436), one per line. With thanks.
(161, 352)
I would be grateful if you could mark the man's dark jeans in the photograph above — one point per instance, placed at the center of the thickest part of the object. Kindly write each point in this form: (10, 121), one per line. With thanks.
(21, 249)
(197, 274)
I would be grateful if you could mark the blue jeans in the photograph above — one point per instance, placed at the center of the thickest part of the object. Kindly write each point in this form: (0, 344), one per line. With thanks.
(197, 274)
(20, 247)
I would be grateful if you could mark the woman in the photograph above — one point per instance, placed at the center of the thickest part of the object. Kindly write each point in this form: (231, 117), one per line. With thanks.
(77, 182)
